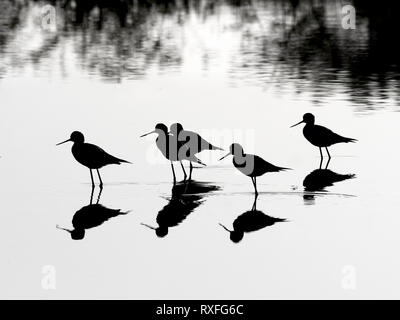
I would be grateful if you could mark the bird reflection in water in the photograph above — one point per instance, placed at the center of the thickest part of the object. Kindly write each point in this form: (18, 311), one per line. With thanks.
(91, 216)
(186, 197)
(250, 221)
(319, 179)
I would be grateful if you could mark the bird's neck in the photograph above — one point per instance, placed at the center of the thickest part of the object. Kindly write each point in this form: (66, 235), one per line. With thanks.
(78, 144)
(239, 159)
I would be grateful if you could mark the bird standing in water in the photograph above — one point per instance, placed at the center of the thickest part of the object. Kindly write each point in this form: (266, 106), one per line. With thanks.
(320, 136)
(191, 141)
(251, 165)
(90, 155)
(171, 148)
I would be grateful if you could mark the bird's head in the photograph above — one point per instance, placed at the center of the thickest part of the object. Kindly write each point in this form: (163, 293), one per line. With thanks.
(160, 128)
(308, 118)
(76, 137)
(235, 149)
(76, 234)
(235, 235)
(161, 231)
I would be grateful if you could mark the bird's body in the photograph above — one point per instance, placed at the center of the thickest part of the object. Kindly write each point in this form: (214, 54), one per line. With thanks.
(320, 136)
(254, 166)
(323, 137)
(251, 165)
(90, 155)
(190, 142)
(172, 149)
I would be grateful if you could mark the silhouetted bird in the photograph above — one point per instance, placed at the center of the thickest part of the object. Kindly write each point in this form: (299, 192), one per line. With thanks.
(185, 198)
(320, 136)
(172, 149)
(251, 165)
(250, 221)
(192, 141)
(319, 179)
(90, 155)
(90, 216)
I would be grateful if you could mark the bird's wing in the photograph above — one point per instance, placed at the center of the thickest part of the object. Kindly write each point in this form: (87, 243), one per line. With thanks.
(96, 152)
(93, 150)
(261, 164)
(328, 135)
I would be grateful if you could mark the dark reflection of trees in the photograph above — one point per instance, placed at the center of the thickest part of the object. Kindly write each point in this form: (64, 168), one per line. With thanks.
(308, 48)
(283, 43)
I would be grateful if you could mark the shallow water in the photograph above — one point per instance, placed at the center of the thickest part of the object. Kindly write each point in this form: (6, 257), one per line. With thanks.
(241, 73)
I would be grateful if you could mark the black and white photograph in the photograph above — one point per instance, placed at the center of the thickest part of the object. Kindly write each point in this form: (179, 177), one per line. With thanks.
(172, 150)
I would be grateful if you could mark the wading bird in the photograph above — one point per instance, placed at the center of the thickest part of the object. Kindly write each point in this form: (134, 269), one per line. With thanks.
(90, 155)
(320, 136)
(192, 141)
(171, 148)
(251, 165)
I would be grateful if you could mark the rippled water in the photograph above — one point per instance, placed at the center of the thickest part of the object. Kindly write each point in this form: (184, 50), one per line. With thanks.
(240, 71)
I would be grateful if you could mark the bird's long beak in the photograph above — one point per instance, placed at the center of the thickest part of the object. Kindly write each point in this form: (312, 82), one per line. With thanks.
(58, 227)
(150, 227)
(146, 134)
(225, 228)
(302, 121)
(225, 156)
(63, 142)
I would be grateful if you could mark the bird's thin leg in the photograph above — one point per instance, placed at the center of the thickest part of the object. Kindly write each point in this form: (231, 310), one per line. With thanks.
(190, 171)
(255, 186)
(98, 198)
(91, 177)
(254, 204)
(329, 159)
(101, 181)
(173, 172)
(91, 195)
(184, 172)
(322, 157)
(327, 151)
(253, 180)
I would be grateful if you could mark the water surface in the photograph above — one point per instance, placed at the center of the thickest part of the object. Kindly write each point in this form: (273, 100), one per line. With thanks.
(240, 71)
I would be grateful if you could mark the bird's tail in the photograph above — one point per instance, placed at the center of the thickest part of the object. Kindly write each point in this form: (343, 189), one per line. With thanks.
(200, 162)
(346, 140)
(282, 169)
(211, 147)
(122, 161)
